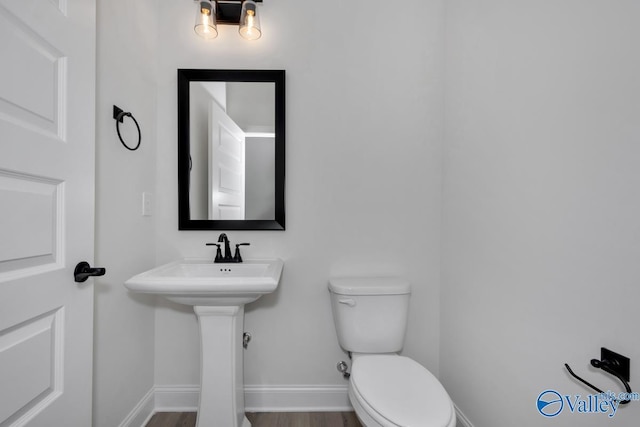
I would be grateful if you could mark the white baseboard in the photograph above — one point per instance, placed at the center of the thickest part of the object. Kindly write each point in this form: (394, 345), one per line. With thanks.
(461, 419)
(177, 398)
(309, 398)
(257, 398)
(142, 412)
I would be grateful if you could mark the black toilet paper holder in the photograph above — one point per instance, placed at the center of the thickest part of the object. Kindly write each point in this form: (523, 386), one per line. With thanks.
(612, 363)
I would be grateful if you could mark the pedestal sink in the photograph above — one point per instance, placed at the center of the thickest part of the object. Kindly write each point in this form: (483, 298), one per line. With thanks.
(218, 293)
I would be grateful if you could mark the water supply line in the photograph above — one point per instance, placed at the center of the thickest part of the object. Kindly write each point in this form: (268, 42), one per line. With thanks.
(342, 368)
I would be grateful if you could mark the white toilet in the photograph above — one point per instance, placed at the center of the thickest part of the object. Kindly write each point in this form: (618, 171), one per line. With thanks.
(385, 389)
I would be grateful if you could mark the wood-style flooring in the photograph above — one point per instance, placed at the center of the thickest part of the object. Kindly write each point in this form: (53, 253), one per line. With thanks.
(265, 419)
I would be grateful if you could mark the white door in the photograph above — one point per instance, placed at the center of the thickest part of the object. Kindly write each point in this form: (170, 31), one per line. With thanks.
(226, 165)
(47, 104)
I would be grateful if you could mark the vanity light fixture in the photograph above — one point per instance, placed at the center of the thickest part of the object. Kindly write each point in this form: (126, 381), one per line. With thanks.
(243, 13)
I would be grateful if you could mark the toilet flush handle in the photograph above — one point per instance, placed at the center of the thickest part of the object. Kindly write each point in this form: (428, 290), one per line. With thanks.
(348, 301)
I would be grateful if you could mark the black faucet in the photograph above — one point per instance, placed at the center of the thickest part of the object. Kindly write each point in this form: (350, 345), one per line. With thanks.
(226, 258)
(227, 250)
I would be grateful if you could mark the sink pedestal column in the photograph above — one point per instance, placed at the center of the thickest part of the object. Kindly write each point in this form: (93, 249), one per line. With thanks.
(221, 367)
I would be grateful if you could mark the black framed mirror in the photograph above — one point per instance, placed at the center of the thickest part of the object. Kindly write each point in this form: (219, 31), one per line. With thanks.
(231, 149)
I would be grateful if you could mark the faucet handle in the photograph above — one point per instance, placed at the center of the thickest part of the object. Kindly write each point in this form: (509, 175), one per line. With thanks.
(237, 257)
(219, 257)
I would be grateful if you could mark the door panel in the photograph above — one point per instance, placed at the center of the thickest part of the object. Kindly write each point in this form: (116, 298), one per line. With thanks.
(32, 209)
(31, 365)
(47, 105)
(226, 166)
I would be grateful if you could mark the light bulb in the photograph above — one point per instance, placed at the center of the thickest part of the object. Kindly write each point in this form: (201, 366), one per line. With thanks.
(249, 22)
(206, 21)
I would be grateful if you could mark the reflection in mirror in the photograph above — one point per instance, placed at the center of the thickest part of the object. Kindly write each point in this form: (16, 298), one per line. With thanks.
(231, 149)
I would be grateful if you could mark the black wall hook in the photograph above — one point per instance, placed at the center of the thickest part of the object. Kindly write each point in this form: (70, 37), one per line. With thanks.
(612, 363)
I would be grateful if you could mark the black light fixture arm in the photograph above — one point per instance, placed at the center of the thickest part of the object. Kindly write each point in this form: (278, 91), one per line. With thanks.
(228, 11)
(613, 364)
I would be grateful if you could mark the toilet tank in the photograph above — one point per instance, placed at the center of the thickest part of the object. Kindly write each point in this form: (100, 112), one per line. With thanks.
(370, 314)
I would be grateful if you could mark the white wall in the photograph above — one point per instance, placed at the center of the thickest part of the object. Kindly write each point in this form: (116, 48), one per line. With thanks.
(125, 241)
(364, 132)
(540, 243)
(541, 230)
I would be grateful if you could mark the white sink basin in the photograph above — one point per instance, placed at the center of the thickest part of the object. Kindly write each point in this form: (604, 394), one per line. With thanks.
(218, 293)
(200, 282)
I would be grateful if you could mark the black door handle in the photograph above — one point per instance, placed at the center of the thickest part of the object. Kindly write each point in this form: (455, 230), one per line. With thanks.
(83, 271)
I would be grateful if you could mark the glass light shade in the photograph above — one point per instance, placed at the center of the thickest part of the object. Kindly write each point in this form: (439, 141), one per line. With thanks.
(206, 21)
(249, 21)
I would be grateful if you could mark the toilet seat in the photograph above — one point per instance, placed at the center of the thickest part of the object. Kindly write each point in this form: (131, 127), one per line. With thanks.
(397, 391)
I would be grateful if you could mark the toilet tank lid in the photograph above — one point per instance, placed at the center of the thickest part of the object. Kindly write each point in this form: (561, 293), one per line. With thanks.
(369, 286)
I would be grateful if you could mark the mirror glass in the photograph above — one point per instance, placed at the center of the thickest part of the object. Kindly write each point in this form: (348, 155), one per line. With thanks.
(231, 149)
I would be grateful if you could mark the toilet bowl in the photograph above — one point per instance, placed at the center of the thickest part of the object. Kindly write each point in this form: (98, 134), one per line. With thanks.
(385, 389)
(392, 390)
